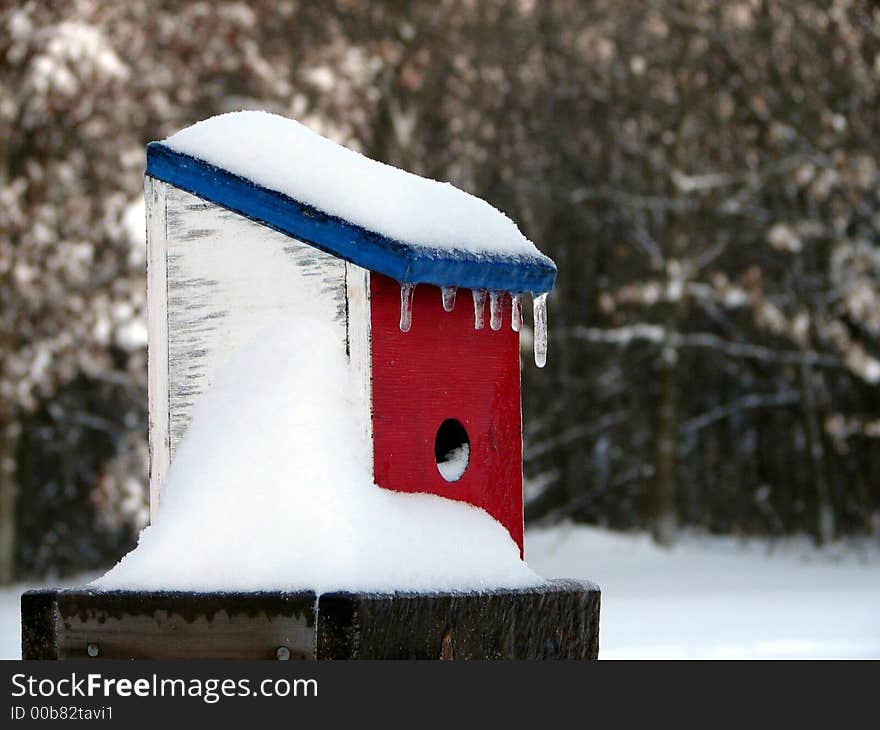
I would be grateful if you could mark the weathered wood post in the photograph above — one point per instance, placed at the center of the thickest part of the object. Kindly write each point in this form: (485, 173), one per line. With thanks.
(439, 389)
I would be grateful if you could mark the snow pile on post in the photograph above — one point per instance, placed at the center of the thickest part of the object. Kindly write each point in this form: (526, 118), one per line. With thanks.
(270, 489)
(283, 155)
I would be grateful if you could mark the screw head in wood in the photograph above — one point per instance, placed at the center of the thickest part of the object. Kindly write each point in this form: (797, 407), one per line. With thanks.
(282, 653)
(93, 650)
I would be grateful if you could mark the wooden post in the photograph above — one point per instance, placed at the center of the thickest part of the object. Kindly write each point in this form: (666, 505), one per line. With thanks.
(558, 620)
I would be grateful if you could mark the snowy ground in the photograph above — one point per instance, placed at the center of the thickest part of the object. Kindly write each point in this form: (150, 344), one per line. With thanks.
(715, 597)
(706, 598)
(10, 616)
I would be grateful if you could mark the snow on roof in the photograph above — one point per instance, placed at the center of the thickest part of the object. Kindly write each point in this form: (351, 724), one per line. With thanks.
(281, 173)
(270, 489)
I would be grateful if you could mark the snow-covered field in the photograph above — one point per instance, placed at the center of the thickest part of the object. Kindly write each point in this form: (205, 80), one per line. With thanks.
(708, 597)
(712, 597)
(10, 633)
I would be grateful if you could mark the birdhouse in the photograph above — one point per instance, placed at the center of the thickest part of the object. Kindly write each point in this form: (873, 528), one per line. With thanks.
(251, 216)
(252, 221)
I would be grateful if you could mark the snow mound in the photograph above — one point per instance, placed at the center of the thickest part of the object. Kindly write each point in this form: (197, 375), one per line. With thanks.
(285, 156)
(270, 489)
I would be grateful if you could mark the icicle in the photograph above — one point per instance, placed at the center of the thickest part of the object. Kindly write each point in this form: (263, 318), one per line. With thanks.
(479, 306)
(515, 312)
(406, 300)
(496, 300)
(448, 295)
(539, 312)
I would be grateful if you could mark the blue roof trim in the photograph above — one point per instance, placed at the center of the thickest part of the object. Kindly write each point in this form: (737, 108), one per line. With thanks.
(400, 261)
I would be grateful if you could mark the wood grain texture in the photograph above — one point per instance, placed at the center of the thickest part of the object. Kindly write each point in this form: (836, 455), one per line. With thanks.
(172, 625)
(445, 369)
(157, 336)
(227, 278)
(556, 620)
(38, 626)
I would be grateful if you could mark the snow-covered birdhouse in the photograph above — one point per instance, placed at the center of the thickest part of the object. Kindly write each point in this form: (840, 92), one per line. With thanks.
(252, 217)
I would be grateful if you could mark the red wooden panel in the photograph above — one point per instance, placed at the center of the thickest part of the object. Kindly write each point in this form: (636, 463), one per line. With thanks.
(444, 368)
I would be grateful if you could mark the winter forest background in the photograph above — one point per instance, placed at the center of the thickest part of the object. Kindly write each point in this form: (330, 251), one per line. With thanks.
(705, 175)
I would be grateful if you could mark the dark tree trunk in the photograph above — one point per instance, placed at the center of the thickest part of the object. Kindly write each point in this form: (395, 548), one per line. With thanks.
(662, 510)
(816, 454)
(7, 508)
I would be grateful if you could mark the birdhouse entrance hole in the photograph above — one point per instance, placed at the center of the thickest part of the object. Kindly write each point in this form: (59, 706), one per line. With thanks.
(452, 449)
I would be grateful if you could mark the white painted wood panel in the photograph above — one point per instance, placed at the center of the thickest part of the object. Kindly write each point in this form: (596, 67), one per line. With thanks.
(157, 337)
(227, 279)
(360, 343)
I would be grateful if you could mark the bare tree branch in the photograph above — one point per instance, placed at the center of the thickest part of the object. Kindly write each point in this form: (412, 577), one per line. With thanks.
(657, 334)
(747, 402)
